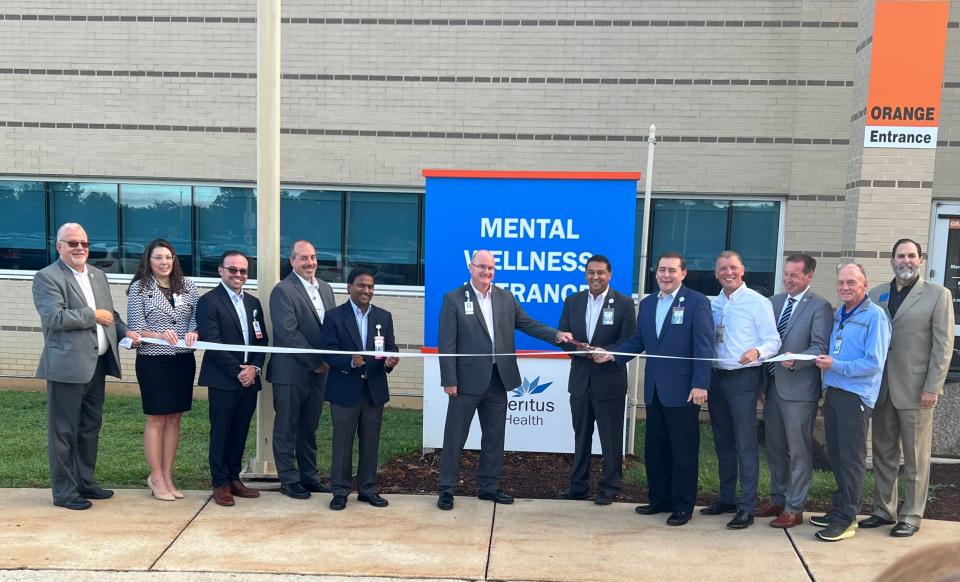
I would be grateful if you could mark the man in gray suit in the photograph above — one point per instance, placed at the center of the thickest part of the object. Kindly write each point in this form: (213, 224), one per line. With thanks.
(298, 305)
(922, 315)
(80, 329)
(804, 321)
(480, 318)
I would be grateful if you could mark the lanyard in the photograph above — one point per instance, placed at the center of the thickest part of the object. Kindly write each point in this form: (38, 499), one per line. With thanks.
(844, 315)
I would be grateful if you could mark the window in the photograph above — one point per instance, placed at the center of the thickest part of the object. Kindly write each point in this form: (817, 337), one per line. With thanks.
(94, 207)
(149, 212)
(700, 229)
(313, 215)
(226, 220)
(382, 233)
(23, 233)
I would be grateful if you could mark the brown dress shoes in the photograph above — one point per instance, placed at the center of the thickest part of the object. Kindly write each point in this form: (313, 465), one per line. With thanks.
(787, 519)
(238, 489)
(222, 496)
(768, 509)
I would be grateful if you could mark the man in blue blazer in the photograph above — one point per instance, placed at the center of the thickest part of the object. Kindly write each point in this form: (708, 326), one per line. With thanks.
(227, 315)
(675, 322)
(357, 387)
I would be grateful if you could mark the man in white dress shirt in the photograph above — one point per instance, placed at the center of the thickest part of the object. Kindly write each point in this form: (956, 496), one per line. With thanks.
(746, 333)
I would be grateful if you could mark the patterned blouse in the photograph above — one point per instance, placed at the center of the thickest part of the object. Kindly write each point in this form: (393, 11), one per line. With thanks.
(150, 310)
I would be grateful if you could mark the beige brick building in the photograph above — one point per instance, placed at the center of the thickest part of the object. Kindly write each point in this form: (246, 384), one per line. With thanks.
(758, 106)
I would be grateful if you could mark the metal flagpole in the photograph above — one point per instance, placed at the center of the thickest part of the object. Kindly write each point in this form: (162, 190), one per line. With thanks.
(268, 205)
(633, 401)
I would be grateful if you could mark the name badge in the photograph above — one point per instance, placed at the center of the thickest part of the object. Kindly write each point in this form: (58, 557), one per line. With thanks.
(836, 345)
(677, 317)
(256, 329)
(608, 316)
(177, 300)
(378, 343)
(719, 330)
(468, 307)
(884, 297)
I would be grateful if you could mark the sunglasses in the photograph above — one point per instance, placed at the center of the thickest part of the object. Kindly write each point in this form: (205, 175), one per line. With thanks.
(236, 271)
(77, 243)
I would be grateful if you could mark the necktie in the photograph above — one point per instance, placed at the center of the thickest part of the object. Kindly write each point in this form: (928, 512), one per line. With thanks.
(782, 326)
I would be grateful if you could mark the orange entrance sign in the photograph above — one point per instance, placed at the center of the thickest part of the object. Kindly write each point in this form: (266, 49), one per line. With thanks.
(906, 73)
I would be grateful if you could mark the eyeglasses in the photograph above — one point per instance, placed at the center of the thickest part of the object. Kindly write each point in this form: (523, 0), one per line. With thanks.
(236, 271)
(484, 267)
(77, 243)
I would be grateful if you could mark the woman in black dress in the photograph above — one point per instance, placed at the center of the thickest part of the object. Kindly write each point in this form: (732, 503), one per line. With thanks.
(162, 304)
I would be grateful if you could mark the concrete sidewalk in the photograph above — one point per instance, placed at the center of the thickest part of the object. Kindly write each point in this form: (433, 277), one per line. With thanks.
(134, 537)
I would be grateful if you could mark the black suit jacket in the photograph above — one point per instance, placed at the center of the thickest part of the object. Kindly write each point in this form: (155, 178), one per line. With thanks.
(217, 321)
(607, 380)
(340, 332)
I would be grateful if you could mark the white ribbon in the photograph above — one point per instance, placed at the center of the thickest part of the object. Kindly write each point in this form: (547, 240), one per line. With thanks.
(201, 345)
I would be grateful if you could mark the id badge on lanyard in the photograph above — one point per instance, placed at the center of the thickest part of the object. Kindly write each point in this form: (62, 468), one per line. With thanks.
(676, 318)
(378, 343)
(257, 332)
(837, 343)
(467, 305)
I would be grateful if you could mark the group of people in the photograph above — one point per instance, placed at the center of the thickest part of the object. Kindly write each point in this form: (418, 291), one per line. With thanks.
(882, 354)
(81, 331)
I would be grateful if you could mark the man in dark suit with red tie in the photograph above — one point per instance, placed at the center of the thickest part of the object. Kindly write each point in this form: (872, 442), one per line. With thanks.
(598, 316)
(676, 322)
(227, 315)
(357, 387)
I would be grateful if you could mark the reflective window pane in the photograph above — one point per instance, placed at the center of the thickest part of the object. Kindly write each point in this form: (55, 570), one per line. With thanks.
(94, 207)
(226, 220)
(23, 242)
(753, 234)
(149, 212)
(697, 229)
(313, 215)
(382, 234)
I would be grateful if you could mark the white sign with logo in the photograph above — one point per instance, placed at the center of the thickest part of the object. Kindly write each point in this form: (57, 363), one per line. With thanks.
(538, 411)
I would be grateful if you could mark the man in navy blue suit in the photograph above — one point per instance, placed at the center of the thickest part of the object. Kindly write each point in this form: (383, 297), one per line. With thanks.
(675, 322)
(357, 387)
(227, 315)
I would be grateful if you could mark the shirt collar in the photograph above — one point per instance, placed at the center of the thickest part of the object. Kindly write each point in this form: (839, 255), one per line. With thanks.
(356, 310)
(672, 295)
(480, 295)
(230, 292)
(306, 283)
(799, 295)
(76, 272)
(738, 291)
(600, 298)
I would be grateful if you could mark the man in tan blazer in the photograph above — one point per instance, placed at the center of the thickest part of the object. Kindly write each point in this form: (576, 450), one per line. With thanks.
(922, 316)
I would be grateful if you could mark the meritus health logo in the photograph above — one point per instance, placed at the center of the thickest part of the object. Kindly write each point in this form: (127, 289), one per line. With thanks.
(524, 408)
(906, 74)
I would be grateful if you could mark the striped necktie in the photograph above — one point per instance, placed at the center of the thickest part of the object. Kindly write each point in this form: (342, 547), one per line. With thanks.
(782, 326)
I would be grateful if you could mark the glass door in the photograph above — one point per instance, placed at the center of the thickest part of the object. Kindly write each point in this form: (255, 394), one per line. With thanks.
(943, 263)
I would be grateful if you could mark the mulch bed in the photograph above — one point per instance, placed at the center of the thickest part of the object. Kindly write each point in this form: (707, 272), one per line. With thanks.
(544, 476)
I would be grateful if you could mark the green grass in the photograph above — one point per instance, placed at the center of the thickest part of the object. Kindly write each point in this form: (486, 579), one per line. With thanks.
(121, 462)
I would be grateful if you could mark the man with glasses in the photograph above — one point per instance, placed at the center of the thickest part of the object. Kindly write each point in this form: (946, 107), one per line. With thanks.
(80, 331)
(480, 318)
(298, 306)
(228, 315)
(922, 316)
(852, 370)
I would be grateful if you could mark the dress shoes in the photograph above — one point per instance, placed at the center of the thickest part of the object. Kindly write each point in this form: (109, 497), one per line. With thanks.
(787, 519)
(315, 487)
(295, 491)
(904, 530)
(238, 489)
(875, 521)
(649, 509)
(574, 495)
(604, 498)
(445, 502)
(767, 509)
(497, 496)
(678, 518)
(222, 496)
(374, 500)
(95, 493)
(338, 502)
(718, 508)
(159, 496)
(74, 503)
(742, 520)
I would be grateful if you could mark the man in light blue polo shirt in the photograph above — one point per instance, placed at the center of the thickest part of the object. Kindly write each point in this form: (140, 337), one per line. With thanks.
(852, 370)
